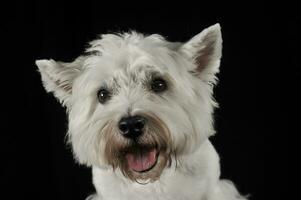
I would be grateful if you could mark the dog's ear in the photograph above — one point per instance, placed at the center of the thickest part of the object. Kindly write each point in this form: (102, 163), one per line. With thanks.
(57, 77)
(205, 49)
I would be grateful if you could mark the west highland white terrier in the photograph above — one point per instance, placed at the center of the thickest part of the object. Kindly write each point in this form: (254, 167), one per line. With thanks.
(140, 114)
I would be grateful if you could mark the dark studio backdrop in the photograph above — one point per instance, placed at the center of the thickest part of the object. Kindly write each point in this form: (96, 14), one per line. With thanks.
(38, 164)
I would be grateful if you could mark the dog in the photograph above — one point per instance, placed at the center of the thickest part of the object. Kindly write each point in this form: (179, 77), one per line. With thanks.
(140, 114)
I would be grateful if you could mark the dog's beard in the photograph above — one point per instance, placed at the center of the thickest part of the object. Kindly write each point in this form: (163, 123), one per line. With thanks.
(144, 158)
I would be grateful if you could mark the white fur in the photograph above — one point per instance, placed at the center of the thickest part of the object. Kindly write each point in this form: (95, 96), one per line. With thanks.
(186, 109)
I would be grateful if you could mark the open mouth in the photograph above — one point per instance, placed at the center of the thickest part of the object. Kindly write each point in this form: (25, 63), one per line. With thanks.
(141, 159)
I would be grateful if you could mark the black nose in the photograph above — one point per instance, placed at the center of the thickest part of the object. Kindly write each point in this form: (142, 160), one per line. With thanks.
(132, 127)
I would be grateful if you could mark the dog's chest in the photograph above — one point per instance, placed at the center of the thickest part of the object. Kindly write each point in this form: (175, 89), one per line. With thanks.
(173, 186)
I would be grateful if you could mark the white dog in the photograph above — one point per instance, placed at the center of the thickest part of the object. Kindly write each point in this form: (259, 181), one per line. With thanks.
(140, 114)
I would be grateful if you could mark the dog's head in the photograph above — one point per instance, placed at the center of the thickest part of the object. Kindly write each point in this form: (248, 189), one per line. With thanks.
(137, 102)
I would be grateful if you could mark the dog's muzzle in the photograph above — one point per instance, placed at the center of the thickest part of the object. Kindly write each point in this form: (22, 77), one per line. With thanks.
(139, 159)
(139, 145)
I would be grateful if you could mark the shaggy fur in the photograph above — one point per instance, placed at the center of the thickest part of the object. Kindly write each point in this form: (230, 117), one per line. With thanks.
(179, 120)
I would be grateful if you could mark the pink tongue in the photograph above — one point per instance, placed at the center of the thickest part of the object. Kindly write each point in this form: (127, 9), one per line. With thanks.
(141, 161)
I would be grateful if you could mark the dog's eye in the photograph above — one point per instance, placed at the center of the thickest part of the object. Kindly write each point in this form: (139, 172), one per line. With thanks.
(103, 95)
(158, 85)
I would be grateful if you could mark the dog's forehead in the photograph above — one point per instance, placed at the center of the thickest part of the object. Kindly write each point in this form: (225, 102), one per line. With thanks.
(130, 54)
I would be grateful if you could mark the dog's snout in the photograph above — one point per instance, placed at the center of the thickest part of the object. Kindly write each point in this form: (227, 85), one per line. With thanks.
(132, 127)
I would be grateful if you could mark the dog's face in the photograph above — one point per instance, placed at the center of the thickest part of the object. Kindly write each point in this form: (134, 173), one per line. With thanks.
(136, 102)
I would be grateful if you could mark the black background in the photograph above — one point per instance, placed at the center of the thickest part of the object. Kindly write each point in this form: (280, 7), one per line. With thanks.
(38, 164)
